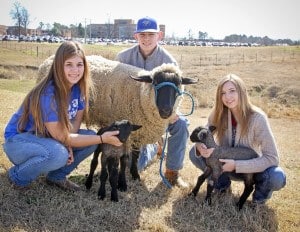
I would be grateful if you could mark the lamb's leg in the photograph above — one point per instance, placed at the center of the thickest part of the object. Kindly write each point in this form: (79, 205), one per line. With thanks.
(133, 169)
(216, 173)
(103, 177)
(200, 180)
(122, 185)
(113, 169)
(248, 181)
(94, 164)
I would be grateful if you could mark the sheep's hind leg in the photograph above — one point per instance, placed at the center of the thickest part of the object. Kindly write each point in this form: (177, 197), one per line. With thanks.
(113, 165)
(133, 169)
(94, 164)
(103, 178)
(248, 180)
(122, 185)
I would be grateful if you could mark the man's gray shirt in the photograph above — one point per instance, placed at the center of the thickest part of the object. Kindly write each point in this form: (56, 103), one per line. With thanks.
(134, 57)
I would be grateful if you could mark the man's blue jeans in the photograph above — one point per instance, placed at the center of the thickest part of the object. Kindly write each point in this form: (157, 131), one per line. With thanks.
(272, 179)
(33, 156)
(176, 147)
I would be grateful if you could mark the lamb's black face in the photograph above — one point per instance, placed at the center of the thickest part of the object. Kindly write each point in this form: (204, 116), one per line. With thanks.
(199, 135)
(125, 128)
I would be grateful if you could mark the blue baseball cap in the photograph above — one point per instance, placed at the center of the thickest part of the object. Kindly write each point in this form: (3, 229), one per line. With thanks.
(146, 24)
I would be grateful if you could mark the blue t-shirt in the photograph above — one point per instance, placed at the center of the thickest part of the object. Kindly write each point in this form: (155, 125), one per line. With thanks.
(48, 109)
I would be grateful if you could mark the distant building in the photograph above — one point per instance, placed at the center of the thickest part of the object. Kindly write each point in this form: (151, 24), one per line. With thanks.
(121, 29)
(3, 30)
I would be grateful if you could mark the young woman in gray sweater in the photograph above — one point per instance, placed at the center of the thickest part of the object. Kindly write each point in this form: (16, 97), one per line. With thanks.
(240, 123)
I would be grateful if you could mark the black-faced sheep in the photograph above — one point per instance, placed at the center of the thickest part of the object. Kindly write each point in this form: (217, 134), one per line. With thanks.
(124, 91)
(111, 155)
(214, 166)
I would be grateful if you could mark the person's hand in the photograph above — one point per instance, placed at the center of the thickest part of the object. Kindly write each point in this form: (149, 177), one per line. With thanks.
(71, 156)
(111, 138)
(229, 165)
(173, 118)
(203, 150)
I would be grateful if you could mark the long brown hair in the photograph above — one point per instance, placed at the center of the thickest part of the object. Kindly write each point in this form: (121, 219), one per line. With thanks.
(32, 105)
(220, 111)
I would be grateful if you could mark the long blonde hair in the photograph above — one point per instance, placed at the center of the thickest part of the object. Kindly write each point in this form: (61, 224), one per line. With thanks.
(32, 105)
(220, 111)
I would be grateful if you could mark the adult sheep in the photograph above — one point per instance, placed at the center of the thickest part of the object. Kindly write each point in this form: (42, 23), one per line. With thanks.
(123, 91)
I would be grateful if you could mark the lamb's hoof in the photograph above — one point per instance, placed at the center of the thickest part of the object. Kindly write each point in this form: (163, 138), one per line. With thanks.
(88, 185)
(136, 177)
(114, 199)
(239, 206)
(208, 201)
(122, 188)
(101, 197)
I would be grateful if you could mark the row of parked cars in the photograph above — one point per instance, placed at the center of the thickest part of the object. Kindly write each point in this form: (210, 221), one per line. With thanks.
(39, 39)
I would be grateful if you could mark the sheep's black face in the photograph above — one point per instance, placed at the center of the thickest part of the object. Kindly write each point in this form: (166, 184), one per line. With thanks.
(166, 93)
(124, 127)
(166, 85)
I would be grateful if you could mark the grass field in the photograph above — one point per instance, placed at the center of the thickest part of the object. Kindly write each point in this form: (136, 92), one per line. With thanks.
(272, 75)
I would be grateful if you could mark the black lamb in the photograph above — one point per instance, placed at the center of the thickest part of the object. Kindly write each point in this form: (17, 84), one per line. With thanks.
(214, 166)
(111, 155)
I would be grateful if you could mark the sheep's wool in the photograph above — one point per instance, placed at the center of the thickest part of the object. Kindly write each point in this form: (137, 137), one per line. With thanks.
(118, 97)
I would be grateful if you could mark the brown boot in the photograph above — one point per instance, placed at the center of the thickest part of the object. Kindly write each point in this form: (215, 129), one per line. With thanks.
(173, 177)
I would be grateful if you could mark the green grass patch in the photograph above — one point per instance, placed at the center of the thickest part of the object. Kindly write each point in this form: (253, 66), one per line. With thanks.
(21, 86)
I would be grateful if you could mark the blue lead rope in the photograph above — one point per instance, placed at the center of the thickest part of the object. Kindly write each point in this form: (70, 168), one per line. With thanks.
(156, 88)
(166, 182)
(179, 93)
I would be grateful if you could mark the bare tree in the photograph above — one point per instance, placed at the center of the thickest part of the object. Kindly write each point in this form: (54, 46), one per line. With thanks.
(25, 18)
(16, 15)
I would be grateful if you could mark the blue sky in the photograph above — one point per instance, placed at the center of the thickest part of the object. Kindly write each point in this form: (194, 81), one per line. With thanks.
(277, 19)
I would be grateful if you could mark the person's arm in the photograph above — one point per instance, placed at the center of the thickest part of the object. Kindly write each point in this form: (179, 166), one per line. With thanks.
(78, 140)
(260, 134)
(76, 122)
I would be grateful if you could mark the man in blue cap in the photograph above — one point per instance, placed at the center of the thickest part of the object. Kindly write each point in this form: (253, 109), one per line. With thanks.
(147, 54)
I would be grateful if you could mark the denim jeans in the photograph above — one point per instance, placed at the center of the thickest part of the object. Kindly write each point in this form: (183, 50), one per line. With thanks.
(33, 156)
(272, 179)
(176, 147)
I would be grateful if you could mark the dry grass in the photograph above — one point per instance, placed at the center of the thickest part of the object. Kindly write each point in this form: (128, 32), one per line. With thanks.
(148, 205)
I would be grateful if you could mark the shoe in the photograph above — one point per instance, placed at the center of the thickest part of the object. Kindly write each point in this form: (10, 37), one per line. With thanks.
(64, 184)
(18, 187)
(174, 179)
(15, 186)
(259, 202)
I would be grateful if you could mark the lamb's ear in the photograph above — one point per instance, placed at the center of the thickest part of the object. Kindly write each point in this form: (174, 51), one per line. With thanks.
(194, 136)
(212, 128)
(189, 81)
(146, 78)
(135, 127)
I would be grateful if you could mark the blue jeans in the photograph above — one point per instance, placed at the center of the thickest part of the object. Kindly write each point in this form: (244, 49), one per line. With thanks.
(272, 179)
(33, 156)
(176, 147)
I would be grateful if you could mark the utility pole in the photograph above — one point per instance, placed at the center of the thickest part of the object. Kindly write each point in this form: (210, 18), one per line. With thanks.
(90, 29)
(85, 30)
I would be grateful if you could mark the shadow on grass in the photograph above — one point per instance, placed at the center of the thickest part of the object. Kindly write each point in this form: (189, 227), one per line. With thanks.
(194, 214)
(48, 208)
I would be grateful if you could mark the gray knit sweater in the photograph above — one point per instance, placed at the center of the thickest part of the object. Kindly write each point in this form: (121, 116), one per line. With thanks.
(260, 138)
